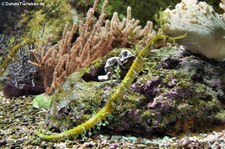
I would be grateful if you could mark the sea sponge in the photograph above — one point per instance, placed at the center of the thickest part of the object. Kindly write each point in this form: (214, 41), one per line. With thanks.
(204, 27)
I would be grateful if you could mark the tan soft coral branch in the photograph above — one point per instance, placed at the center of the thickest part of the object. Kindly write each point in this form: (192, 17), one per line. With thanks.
(128, 31)
(59, 61)
(94, 41)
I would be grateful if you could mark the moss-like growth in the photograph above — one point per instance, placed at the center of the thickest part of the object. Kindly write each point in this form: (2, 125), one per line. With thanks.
(174, 93)
(51, 18)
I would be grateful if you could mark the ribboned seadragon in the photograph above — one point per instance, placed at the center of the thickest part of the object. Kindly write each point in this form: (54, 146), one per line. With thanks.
(133, 72)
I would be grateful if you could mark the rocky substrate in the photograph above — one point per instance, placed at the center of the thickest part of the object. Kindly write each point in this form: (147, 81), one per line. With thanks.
(182, 88)
(176, 92)
(19, 121)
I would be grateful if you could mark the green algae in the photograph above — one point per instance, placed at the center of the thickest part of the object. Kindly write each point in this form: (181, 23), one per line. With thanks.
(41, 101)
(47, 20)
(182, 103)
(73, 96)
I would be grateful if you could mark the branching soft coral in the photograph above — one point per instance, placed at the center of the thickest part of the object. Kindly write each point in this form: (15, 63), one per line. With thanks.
(60, 60)
(94, 41)
(128, 31)
(204, 27)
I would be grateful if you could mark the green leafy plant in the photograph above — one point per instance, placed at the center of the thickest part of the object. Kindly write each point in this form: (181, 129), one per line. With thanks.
(41, 101)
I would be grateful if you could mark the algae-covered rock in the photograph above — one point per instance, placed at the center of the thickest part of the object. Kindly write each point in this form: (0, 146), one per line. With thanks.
(176, 92)
(47, 20)
(81, 96)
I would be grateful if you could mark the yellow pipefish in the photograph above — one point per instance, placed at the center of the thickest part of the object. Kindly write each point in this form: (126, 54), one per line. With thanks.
(134, 70)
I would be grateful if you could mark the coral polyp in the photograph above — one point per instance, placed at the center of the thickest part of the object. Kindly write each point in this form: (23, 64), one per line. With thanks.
(205, 28)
